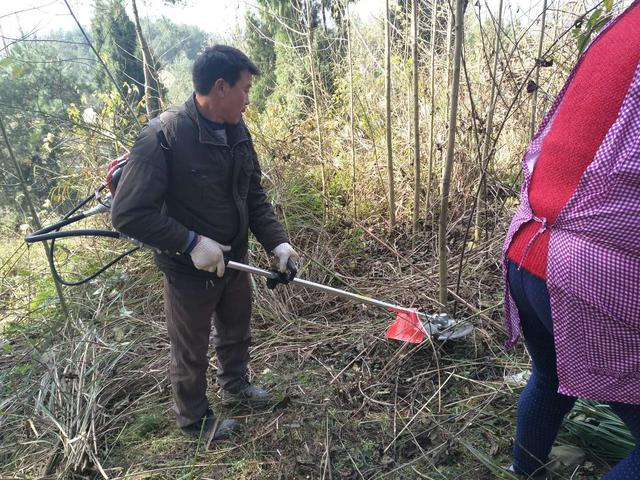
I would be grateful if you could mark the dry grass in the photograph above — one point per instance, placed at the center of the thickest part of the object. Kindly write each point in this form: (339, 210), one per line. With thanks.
(93, 399)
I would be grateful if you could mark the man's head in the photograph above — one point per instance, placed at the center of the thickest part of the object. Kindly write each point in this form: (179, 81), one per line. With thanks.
(223, 74)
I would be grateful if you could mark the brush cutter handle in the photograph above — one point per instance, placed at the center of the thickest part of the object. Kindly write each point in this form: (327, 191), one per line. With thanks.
(292, 268)
(283, 278)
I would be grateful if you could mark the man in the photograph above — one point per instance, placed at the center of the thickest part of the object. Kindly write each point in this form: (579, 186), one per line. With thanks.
(192, 189)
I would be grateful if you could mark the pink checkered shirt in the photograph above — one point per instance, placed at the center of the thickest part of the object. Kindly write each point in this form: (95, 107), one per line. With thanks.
(593, 270)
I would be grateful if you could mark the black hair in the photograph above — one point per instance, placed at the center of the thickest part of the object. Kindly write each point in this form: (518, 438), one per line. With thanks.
(220, 61)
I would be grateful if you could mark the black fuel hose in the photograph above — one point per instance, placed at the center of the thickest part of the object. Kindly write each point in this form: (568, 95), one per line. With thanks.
(52, 232)
(41, 236)
(68, 283)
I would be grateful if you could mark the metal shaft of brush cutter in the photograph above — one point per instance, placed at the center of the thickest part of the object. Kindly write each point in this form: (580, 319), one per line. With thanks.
(439, 324)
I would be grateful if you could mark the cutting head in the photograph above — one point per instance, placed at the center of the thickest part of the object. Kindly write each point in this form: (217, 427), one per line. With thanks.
(446, 328)
(414, 327)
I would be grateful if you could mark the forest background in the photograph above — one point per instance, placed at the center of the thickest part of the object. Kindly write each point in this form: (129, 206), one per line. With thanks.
(390, 144)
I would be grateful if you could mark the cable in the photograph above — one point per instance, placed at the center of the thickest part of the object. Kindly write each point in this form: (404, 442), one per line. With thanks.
(37, 237)
(52, 232)
(58, 278)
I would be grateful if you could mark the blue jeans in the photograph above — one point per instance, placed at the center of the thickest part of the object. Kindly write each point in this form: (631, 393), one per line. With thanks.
(541, 408)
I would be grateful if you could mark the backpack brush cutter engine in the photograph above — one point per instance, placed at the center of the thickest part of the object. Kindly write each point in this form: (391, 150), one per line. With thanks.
(410, 325)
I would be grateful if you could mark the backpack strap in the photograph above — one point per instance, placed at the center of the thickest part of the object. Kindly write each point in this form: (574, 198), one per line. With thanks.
(156, 124)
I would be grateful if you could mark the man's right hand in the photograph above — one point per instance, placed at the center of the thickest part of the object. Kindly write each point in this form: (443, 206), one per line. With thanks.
(208, 255)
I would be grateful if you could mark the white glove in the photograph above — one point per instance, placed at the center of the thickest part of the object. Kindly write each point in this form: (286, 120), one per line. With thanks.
(283, 253)
(208, 255)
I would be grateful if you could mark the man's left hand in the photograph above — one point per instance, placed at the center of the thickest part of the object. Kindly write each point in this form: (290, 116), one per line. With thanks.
(285, 252)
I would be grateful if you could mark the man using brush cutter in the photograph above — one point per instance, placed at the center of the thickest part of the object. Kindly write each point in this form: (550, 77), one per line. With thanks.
(192, 189)
(572, 253)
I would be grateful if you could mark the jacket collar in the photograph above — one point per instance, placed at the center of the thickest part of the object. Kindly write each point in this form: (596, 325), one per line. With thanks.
(235, 133)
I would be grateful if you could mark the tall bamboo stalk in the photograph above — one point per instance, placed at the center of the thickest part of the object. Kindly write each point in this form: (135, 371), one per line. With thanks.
(314, 87)
(486, 150)
(351, 119)
(534, 96)
(387, 82)
(450, 19)
(447, 80)
(448, 166)
(151, 87)
(432, 101)
(416, 121)
(34, 214)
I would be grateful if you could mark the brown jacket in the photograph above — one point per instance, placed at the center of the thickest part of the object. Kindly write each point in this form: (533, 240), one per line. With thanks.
(197, 185)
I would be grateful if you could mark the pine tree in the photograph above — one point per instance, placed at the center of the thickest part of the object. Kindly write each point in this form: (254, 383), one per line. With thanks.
(114, 37)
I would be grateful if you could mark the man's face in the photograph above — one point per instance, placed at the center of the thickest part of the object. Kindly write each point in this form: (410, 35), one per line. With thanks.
(235, 99)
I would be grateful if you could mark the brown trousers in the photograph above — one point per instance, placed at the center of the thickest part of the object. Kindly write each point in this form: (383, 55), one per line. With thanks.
(190, 305)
